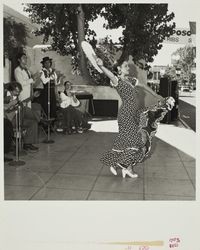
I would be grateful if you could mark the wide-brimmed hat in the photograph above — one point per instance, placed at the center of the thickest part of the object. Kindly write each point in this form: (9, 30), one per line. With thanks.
(45, 59)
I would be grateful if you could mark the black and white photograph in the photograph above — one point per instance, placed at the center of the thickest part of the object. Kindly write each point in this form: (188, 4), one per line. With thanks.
(99, 132)
(99, 101)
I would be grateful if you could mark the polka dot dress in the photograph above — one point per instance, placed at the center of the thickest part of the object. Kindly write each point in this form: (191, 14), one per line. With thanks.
(137, 126)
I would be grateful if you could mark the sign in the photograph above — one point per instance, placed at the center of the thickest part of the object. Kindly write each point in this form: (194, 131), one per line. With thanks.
(180, 36)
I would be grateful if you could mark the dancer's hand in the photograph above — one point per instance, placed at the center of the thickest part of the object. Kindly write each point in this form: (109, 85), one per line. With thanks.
(170, 102)
(99, 62)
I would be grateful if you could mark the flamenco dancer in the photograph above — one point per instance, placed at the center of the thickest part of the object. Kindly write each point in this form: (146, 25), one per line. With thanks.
(137, 122)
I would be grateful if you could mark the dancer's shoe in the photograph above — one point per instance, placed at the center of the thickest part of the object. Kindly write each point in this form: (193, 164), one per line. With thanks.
(113, 170)
(128, 172)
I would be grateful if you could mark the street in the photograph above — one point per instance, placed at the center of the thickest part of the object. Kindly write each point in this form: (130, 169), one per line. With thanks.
(187, 108)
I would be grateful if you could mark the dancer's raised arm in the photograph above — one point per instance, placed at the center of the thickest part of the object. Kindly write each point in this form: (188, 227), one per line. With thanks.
(107, 72)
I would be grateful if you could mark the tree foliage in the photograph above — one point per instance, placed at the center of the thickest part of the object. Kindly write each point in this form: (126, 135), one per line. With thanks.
(65, 26)
(107, 51)
(170, 73)
(185, 62)
(58, 24)
(15, 35)
(145, 26)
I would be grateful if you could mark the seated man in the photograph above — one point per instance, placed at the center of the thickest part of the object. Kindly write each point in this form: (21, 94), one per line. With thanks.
(29, 120)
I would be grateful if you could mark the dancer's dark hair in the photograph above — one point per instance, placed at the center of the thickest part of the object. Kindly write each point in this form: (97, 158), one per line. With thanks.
(118, 63)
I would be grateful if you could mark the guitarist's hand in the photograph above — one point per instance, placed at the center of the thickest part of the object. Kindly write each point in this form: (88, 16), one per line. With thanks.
(11, 105)
(10, 108)
(36, 93)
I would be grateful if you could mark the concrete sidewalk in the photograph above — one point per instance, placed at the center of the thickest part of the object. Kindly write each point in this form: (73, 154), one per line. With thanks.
(70, 169)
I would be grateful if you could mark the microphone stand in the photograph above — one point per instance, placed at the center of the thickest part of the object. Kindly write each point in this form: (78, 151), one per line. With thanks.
(17, 162)
(21, 151)
(48, 140)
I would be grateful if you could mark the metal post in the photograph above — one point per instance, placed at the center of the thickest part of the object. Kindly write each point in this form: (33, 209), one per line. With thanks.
(17, 162)
(48, 140)
(21, 151)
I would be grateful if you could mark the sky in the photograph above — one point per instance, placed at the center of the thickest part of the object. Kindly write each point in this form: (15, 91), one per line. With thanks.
(184, 11)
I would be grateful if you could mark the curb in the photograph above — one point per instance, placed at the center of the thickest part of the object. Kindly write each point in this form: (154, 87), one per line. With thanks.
(184, 123)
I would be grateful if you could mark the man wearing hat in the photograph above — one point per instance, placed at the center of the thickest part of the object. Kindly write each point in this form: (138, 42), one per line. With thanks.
(49, 80)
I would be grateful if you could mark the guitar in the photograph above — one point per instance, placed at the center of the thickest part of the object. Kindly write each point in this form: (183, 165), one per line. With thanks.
(10, 108)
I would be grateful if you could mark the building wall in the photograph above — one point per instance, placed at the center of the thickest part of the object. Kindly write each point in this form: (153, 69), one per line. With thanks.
(62, 64)
(6, 71)
(63, 67)
(100, 92)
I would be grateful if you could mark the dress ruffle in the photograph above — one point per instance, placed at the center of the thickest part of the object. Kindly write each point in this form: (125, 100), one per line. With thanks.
(148, 125)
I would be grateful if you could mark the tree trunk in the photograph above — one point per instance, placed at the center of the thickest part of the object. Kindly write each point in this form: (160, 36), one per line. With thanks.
(81, 37)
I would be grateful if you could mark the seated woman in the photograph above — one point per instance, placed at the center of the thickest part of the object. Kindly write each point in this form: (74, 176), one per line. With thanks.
(72, 116)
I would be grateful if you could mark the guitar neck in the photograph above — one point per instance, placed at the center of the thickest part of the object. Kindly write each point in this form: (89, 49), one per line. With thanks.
(12, 106)
(27, 100)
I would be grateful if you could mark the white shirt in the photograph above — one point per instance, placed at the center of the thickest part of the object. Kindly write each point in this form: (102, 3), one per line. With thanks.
(45, 79)
(23, 78)
(66, 101)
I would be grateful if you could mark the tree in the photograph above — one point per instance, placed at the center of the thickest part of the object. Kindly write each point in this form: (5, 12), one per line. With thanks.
(185, 62)
(66, 25)
(14, 39)
(15, 35)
